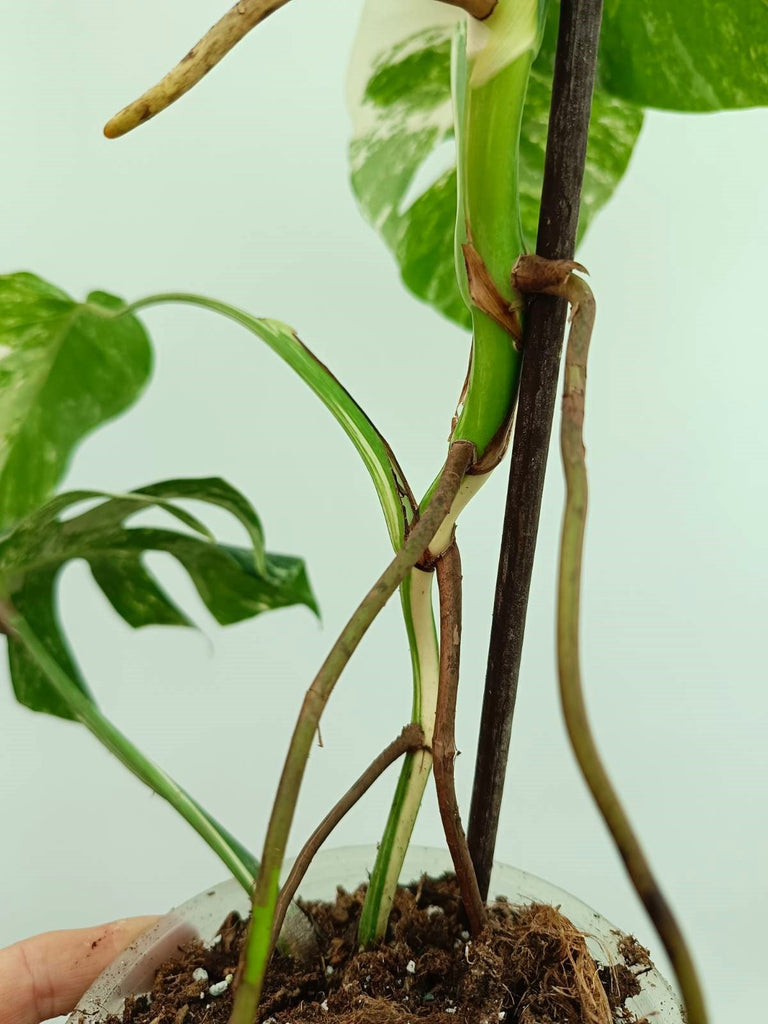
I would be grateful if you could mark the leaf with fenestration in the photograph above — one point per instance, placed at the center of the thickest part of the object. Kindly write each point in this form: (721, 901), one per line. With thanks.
(401, 154)
(65, 368)
(686, 54)
(235, 583)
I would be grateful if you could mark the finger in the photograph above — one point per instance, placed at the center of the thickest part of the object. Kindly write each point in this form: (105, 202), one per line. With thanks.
(45, 976)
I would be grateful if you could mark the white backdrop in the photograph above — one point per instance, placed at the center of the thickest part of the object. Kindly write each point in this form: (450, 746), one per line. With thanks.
(240, 192)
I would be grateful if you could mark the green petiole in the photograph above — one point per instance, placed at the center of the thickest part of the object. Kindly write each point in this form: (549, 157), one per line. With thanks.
(238, 860)
(489, 89)
(256, 950)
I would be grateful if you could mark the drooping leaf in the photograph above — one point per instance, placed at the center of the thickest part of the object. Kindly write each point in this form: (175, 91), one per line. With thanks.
(65, 368)
(400, 104)
(394, 493)
(235, 583)
(686, 54)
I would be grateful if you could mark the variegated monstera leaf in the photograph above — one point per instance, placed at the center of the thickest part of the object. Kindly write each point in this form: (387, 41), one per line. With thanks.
(695, 55)
(402, 155)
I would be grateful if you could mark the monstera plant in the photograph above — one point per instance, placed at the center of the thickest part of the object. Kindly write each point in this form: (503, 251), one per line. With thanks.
(474, 156)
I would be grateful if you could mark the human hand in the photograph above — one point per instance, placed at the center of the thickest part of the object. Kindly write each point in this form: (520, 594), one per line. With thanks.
(45, 976)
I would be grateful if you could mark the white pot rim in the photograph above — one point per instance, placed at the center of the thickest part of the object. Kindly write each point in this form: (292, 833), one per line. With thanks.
(133, 971)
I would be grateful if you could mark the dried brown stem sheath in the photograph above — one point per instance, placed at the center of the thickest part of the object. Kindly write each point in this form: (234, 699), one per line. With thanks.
(448, 569)
(411, 738)
(204, 55)
(486, 296)
(574, 74)
(480, 9)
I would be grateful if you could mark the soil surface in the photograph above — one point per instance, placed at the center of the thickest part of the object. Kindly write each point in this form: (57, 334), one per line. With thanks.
(530, 966)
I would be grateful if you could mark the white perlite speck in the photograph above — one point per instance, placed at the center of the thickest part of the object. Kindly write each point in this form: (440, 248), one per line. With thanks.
(220, 987)
(411, 967)
(199, 974)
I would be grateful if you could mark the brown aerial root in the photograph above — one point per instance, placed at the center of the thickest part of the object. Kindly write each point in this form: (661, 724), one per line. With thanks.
(533, 274)
(558, 975)
(194, 65)
(444, 741)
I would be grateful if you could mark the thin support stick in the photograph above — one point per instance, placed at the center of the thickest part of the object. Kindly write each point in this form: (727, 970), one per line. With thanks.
(563, 174)
(410, 739)
(256, 950)
(554, 277)
(204, 55)
(448, 568)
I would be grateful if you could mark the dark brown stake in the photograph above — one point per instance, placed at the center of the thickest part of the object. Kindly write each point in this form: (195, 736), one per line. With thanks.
(448, 568)
(563, 174)
(411, 738)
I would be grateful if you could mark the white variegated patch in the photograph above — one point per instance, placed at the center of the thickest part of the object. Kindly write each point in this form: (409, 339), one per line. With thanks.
(401, 157)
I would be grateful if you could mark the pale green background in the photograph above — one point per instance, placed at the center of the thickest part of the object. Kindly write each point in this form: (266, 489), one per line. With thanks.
(240, 192)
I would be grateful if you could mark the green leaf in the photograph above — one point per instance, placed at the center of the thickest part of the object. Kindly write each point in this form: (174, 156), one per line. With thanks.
(399, 94)
(400, 104)
(35, 599)
(613, 131)
(686, 54)
(65, 368)
(235, 583)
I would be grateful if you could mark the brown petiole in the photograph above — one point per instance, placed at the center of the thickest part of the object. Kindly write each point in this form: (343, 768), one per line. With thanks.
(448, 569)
(410, 739)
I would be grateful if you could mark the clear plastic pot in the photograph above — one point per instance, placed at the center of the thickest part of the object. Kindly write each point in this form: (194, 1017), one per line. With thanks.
(201, 916)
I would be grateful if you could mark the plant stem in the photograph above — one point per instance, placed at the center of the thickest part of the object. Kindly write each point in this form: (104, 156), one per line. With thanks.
(563, 174)
(392, 488)
(88, 714)
(448, 570)
(204, 55)
(579, 295)
(416, 599)
(410, 739)
(488, 115)
(257, 947)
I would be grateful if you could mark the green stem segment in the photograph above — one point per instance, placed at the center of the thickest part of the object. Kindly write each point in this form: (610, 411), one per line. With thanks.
(536, 274)
(416, 599)
(490, 220)
(237, 860)
(257, 948)
(489, 116)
